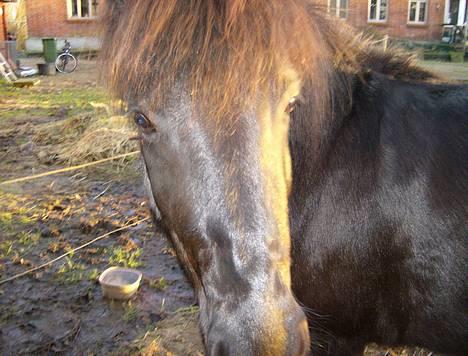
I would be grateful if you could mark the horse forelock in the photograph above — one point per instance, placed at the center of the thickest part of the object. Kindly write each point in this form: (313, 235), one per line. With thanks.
(230, 53)
(227, 52)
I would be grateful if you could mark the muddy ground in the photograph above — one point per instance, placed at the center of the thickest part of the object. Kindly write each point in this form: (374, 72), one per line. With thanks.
(60, 309)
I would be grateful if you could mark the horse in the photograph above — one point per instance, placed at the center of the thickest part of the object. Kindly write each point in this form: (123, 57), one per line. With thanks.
(312, 184)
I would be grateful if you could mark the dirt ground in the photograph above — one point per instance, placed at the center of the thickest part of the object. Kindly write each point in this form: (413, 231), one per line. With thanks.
(60, 309)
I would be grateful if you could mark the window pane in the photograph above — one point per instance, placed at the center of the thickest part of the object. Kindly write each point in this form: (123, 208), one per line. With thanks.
(74, 7)
(422, 12)
(383, 10)
(332, 8)
(344, 4)
(454, 4)
(373, 10)
(85, 8)
(94, 4)
(343, 8)
(412, 11)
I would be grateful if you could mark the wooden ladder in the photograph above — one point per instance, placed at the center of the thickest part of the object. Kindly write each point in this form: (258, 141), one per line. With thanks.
(6, 70)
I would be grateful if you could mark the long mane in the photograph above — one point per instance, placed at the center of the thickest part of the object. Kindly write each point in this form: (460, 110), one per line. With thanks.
(229, 53)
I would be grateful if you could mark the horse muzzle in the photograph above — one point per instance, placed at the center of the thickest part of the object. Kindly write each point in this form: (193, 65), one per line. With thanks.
(274, 334)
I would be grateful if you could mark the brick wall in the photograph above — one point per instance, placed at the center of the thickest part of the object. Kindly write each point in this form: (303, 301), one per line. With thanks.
(2, 24)
(397, 20)
(49, 18)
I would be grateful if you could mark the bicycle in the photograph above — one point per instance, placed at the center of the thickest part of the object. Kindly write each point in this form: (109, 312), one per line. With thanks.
(66, 62)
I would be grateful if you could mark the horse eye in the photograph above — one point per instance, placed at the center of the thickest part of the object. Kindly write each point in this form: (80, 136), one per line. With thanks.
(291, 105)
(142, 121)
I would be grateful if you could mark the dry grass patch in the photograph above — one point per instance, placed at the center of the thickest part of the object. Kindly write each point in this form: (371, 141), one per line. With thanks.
(88, 136)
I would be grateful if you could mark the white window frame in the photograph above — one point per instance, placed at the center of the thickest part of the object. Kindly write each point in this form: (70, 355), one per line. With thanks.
(418, 9)
(339, 8)
(377, 12)
(461, 12)
(79, 16)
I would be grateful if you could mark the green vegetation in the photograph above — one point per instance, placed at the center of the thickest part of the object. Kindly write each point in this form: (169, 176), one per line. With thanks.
(40, 103)
(93, 274)
(188, 310)
(27, 238)
(72, 272)
(16, 228)
(6, 218)
(14, 214)
(6, 248)
(131, 313)
(124, 257)
(158, 284)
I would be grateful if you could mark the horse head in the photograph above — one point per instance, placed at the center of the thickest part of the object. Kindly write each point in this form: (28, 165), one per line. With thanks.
(210, 86)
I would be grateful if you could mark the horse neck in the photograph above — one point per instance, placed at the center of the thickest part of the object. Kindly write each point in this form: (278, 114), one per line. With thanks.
(316, 121)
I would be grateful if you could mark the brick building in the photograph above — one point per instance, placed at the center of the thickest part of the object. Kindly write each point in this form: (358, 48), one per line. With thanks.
(7, 17)
(6, 7)
(74, 20)
(410, 19)
(3, 23)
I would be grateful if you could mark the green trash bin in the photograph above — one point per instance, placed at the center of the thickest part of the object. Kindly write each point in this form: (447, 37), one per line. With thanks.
(50, 49)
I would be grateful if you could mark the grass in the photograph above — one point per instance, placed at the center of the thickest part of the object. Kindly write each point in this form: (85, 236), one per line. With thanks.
(40, 102)
(14, 215)
(125, 258)
(11, 222)
(17, 230)
(27, 238)
(87, 130)
(193, 309)
(6, 248)
(7, 225)
(17, 235)
(130, 314)
(6, 218)
(72, 272)
(158, 284)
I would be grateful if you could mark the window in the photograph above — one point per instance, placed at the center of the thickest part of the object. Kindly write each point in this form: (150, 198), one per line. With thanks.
(378, 10)
(455, 12)
(82, 9)
(417, 11)
(338, 8)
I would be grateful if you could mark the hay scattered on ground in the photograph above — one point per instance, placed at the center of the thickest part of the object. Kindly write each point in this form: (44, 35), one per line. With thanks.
(88, 137)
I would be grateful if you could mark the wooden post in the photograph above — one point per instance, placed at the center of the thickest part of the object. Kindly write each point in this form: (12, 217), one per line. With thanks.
(385, 42)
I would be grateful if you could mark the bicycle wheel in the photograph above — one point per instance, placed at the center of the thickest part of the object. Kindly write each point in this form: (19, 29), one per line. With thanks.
(66, 63)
